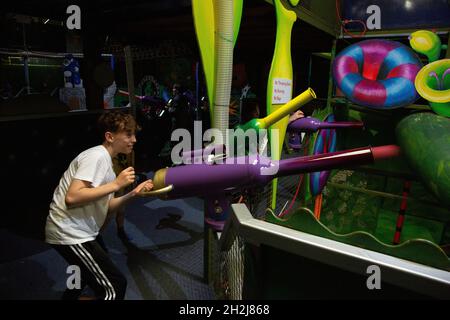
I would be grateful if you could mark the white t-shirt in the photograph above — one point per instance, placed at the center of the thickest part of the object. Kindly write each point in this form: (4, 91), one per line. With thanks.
(80, 224)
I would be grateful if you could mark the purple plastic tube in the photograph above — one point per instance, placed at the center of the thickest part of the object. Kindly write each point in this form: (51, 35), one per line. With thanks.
(205, 179)
(309, 124)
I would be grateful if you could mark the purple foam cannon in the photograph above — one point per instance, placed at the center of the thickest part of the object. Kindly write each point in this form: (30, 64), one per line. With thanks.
(309, 124)
(214, 181)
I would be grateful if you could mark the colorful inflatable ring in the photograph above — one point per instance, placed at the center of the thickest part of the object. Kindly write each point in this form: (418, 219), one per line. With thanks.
(325, 142)
(377, 74)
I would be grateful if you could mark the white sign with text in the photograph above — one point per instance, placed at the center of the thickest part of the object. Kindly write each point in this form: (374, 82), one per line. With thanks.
(282, 91)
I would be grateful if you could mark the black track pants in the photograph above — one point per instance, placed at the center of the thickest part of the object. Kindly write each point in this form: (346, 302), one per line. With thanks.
(97, 271)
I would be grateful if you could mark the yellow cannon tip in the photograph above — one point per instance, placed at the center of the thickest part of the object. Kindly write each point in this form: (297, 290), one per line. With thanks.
(312, 93)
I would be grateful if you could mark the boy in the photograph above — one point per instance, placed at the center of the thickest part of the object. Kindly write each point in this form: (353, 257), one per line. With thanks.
(83, 199)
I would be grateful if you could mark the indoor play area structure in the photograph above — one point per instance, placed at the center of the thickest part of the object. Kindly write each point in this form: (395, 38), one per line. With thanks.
(369, 186)
(305, 208)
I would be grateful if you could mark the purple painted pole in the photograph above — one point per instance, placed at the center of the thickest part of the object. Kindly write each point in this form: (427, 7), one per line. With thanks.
(309, 124)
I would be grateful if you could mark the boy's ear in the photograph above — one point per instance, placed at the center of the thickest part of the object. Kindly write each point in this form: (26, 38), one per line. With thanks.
(109, 137)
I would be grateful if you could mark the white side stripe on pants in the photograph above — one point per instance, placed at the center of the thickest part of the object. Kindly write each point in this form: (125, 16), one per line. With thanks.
(94, 268)
(91, 269)
(99, 270)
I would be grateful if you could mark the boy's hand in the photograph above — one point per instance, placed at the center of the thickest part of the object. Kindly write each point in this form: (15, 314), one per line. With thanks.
(145, 186)
(125, 178)
(296, 115)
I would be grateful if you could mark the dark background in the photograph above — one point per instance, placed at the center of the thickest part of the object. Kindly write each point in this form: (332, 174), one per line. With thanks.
(41, 137)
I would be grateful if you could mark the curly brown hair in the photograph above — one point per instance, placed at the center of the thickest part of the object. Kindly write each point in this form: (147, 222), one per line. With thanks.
(116, 121)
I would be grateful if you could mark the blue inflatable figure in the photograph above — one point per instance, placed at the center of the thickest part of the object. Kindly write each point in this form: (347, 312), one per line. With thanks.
(72, 77)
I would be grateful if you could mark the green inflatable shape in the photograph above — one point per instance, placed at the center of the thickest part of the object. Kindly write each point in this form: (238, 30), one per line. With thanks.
(205, 28)
(433, 83)
(424, 139)
(417, 250)
(280, 76)
(237, 11)
(427, 43)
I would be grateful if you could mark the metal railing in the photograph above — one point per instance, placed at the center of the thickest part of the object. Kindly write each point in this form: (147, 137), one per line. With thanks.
(243, 228)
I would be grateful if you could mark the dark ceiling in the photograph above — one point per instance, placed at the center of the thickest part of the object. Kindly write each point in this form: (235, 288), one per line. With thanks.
(148, 22)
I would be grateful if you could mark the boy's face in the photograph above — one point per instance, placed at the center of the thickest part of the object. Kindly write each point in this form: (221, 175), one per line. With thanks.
(123, 141)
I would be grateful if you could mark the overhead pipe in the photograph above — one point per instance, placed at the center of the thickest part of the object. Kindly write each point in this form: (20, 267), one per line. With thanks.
(310, 124)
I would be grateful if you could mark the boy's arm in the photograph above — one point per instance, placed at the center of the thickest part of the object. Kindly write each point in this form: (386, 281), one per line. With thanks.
(81, 192)
(119, 202)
